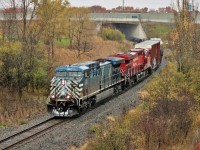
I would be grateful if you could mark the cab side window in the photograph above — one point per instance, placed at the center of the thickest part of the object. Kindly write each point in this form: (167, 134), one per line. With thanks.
(86, 73)
(140, 53)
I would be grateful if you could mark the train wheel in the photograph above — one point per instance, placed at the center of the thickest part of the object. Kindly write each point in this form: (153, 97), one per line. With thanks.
(135, 78)
(128, 82)
(83, 106)
(122, 85)
(132, 81)
(89, 103)
(116, 90)
(93, 101)
(149, 71)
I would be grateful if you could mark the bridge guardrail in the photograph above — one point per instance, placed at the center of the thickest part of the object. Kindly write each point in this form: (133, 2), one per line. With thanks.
(133, 17)
(115, 17)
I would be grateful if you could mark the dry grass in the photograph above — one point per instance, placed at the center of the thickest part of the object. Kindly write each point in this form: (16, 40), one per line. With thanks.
(111, 118)
(101, 49)
(143, 94)
(84, 147)
(15, 111)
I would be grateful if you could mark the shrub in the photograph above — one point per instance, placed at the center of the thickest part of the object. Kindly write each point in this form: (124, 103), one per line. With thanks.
(112, 34)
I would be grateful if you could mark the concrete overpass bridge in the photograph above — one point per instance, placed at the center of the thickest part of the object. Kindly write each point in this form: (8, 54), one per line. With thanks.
(127, 23)
(130, 23)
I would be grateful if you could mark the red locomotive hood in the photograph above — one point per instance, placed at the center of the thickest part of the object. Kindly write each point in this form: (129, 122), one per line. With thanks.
(123, 68)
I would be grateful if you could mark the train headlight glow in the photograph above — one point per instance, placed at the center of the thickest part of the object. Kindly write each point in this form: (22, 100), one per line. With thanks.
(68, 96)
(52, 96)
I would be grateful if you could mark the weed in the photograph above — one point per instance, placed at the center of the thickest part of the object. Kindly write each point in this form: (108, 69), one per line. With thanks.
(94, 129)
(2, 126)
(23, 121)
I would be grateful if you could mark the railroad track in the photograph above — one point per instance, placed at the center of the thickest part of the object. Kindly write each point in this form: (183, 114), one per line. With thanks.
(30, 133)
(41, 128)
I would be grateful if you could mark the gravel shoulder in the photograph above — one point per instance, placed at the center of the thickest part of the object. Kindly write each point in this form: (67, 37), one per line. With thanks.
(76, 133)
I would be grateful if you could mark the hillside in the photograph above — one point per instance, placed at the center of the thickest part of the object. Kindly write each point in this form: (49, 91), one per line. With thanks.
(100, 49)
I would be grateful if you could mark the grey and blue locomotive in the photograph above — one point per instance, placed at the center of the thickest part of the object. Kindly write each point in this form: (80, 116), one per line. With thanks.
(74, 87)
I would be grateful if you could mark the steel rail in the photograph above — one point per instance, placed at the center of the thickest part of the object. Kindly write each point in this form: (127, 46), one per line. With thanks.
(30, 133)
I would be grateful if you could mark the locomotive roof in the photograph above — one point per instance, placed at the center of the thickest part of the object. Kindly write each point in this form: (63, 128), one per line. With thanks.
(77, 67)
(124, 55)
(70, 68)
(146, 44)
(133, 53)
(102, 63)
(136, 49)
(87, 63)
(115, 60)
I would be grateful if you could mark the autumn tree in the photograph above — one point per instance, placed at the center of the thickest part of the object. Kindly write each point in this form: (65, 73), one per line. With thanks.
(80, 31)
(24, 32)
(185, 37)
(33, 27)
(97, 9)
(51, 16)
(184, 42)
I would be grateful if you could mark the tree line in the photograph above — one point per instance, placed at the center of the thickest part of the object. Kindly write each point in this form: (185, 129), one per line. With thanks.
(28, 36)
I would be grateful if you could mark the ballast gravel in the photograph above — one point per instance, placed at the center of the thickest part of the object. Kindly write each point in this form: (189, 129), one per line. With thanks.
(4, 133)
(76, 132)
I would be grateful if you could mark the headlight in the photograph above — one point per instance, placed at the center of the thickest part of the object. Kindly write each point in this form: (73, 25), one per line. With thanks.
(52, 96)
(68, 96)
(52, 99)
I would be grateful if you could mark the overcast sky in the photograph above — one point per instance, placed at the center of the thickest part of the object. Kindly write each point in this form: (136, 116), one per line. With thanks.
(115, 3)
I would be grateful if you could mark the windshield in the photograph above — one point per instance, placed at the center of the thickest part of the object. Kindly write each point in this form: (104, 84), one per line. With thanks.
(61, 74)
(75, 75)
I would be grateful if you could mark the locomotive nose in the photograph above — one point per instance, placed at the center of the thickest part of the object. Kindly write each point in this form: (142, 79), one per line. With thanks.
(62, 95)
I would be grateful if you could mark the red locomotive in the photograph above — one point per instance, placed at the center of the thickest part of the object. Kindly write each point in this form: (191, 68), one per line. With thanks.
(140, 61)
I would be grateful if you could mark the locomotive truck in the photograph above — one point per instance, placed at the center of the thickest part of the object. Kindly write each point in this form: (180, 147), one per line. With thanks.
(74, 88)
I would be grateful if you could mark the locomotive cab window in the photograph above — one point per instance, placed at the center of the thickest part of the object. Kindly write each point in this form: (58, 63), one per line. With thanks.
(87, 73)
(61, 74)
(75, 75)
(140, 53)
(95, 72)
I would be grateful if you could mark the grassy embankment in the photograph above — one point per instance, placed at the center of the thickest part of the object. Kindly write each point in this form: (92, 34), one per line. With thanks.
(160, 30)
